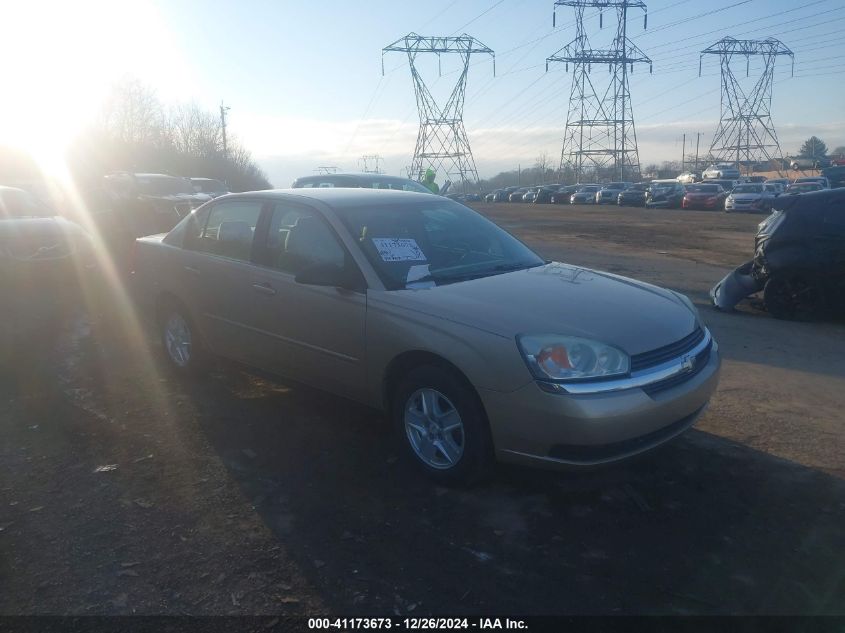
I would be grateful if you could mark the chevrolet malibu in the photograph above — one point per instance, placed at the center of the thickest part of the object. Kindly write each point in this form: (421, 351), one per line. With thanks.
(476, 348)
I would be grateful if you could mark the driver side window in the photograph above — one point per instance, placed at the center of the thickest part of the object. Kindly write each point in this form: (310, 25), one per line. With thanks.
(298, 239)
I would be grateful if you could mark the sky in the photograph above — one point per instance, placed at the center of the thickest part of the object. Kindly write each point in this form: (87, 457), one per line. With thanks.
(305, 88)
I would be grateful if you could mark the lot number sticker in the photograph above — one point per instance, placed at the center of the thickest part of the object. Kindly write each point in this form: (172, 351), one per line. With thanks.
(398, 249)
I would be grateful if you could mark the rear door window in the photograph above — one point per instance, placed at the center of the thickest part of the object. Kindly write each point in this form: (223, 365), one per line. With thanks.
(228, 231)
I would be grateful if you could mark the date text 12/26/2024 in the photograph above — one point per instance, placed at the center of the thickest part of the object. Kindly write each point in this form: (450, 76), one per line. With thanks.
(417, 624)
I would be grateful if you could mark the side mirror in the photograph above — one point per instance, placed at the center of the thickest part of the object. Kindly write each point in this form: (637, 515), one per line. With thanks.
(330, 275)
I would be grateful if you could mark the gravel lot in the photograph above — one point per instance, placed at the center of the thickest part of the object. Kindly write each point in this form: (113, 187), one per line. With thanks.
(124, 491)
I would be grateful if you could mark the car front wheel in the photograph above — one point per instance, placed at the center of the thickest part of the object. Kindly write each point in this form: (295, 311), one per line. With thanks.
(441, 426)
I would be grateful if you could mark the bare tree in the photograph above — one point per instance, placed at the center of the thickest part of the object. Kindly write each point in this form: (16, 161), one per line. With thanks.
(133, 114)
(542, 164)
(194, 130)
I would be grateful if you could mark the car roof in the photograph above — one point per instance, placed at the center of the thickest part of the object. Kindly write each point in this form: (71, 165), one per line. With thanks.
(810, 198)
(353, 174)
(340, 197)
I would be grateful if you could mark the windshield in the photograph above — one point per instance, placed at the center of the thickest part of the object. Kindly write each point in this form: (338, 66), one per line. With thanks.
(16, 203)
(163, 185)
(662, 186)
(399, 184)
(703, 189)
(587, 189)
(210, 186)
(748, 189)
(424, 244)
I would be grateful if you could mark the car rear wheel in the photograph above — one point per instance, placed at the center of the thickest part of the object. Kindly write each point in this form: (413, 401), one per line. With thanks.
(180, 339)
(793, 297)
(441, 426)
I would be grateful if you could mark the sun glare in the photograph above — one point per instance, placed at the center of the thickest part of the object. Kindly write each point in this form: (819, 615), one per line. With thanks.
(61, 58)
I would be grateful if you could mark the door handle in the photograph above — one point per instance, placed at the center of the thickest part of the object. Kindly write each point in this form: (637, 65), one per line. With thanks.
(265, 289)
(192, 270)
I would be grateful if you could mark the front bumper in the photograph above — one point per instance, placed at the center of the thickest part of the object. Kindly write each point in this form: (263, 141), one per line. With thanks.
(563, 430)
(735, 286)
(743, 205)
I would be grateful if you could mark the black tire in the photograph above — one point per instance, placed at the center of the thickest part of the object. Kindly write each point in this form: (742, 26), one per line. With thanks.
(476, 460)
(794, 298)
(195, 361)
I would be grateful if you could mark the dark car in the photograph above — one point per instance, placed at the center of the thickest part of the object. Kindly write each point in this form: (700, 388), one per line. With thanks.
(564, 194)
(665, 194)
(517, 194)
(359, 181)
(141, 204)
(727, 185)
(704, 196)
(835, 175)
(545, 193)
(803, 187)
(609, 193)
(501, 195)
(531, 194)
(585, 194)
(210, 186)
(799, 260)
(634, 195)
(43, 260)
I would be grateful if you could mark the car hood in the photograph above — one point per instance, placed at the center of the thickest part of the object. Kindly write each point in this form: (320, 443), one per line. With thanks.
(746, 196)
(27, 239)
(559, 299)
(660, 194)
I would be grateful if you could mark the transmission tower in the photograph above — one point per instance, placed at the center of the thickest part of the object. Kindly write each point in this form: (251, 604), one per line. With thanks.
(369, 164)
(745, 134)
(442, 142)
(600, 134)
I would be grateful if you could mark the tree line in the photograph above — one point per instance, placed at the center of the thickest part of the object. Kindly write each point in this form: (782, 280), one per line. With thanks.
(136, 132)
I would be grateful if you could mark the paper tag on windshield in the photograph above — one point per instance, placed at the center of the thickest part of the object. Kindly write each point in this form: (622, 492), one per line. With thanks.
(398, 249)
(415, 274)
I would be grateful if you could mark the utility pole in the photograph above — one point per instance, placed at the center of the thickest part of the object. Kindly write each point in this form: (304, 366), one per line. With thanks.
(223, 111)
(442, 141)
(745, 126)
(697, 139)
(600, 132)
(683, 152)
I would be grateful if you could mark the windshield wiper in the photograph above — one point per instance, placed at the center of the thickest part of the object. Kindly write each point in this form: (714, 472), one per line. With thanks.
(487, 272)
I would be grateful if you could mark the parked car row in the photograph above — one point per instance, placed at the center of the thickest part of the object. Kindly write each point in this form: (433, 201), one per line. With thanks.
(754, 193)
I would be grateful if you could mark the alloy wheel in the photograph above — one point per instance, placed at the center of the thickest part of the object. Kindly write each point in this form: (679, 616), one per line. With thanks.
(177, 339)
(434, 428)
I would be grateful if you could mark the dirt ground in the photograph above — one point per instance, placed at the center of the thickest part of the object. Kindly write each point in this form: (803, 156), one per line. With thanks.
(123, 490)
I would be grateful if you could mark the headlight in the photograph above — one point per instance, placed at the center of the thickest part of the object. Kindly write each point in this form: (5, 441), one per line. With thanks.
(556, 357)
